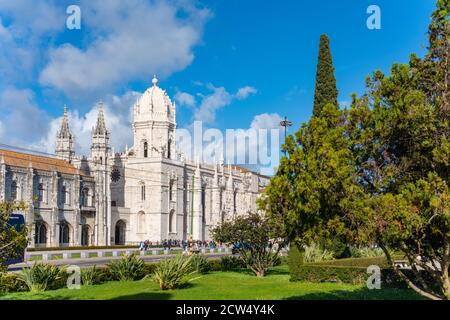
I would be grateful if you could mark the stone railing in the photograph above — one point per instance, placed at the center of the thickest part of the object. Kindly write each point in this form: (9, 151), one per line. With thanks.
(102, 253)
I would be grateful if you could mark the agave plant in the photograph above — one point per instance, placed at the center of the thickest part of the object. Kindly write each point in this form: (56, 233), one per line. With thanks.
(127, 269)
(40, 277)
(199, 263)
(171, 273)
(89, 276)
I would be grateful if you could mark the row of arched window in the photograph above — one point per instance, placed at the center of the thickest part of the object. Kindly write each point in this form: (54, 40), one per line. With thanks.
(42, 194)
(64, 233)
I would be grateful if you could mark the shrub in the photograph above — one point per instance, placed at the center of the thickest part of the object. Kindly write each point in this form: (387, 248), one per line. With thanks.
(149, 268)
(254, 237)
(295, 258)
(200, 264)
(230, 263)
(366, 252)
(214, 265)
(171, 273)
(357, 262)
(10, 282)
(127, 269)
(41, 277)
(351, 275)
(90, 276)
(259, 261)
(315, 253)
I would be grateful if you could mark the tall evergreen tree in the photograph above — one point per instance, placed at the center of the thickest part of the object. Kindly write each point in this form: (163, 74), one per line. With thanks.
(326, 90)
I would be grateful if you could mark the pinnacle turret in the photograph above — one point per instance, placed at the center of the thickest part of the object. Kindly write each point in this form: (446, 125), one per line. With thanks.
(64, 139)
(100, 126)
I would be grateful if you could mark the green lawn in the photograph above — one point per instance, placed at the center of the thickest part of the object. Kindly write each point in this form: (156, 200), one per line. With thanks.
(224, 285)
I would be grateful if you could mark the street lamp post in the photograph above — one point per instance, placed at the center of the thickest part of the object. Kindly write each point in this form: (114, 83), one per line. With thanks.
(286, 124)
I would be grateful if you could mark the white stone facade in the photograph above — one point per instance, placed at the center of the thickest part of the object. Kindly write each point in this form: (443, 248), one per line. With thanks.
(147, 192)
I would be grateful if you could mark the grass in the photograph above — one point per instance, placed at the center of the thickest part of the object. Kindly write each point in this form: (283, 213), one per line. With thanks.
(223, 285)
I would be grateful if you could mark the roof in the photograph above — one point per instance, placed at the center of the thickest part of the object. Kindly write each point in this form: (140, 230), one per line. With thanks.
(246, 170)
(23, 160)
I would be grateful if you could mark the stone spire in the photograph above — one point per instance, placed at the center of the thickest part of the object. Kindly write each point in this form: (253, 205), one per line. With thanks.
(64, 131)
(64, 139)
(100, 138)
(100, 127)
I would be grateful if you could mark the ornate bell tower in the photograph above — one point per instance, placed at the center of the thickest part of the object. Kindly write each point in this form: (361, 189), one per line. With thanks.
(100, 152)
(154, 124)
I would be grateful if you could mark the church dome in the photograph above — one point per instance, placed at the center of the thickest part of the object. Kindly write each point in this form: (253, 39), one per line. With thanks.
(155, 104)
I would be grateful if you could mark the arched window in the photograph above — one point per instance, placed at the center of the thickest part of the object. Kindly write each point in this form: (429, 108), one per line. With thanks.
(141, 222)
(41, 192)
(172, 221)
(85, 197)
(14, 190)
(85, 235)
(142, 192)
(169, 143)
(64, 232)
(171, 183)
(40, 233)
(63, 194)
(145, 149)
(119, 238)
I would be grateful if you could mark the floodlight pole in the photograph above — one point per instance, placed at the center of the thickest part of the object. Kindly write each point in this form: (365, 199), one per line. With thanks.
(286, 124)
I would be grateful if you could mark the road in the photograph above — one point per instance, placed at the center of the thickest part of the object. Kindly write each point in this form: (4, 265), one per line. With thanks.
(103, 261)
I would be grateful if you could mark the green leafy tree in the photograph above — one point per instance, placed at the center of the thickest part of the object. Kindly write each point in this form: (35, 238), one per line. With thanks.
(306, 194)
(326, 90)
(12, 241)
(378, 173)
(251, 236)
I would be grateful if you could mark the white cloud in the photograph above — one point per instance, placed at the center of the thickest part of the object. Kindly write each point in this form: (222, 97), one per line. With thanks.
(29, 26)
(22, 120)
(211, 103)
(216, 99)
(185, 99)
(244, 92)
(266, 121)
(131, 40)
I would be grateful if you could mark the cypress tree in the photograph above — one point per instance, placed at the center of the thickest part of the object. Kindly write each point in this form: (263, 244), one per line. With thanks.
(326, 90)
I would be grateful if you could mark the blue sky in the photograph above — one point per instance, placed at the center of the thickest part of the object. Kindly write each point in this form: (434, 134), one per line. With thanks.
(225, 62)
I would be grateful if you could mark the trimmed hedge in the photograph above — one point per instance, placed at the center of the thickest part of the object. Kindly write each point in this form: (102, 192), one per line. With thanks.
(353, 275)
(295, 259)
(356, 262)
(352, 271)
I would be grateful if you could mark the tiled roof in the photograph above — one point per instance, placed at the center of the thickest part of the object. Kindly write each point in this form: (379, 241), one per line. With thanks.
(22, 160)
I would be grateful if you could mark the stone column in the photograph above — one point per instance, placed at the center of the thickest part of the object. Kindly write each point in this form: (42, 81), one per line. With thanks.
(29, 198)
(197, 226)
(54, 220)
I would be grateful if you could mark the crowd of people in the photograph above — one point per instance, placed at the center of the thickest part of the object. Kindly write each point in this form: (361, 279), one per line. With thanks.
(184, 244)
